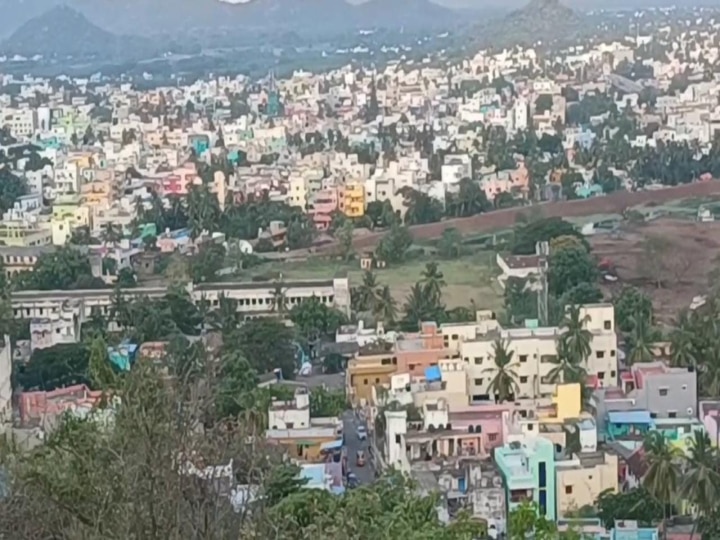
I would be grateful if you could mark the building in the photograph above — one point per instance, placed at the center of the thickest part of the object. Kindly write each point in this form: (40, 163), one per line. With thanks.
(304, 438)
(582, 477)
(42, 409)
(253, 298)
(528, 470)
(647, 392)
(352, 200)
(533, 349)
(6, 393)
(524, 267)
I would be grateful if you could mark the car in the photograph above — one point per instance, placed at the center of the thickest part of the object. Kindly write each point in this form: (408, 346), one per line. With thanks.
(360, 460)
(361, 433)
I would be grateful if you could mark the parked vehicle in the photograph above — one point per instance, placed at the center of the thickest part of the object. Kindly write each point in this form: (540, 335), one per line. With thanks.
(361, 433)
(352, 481)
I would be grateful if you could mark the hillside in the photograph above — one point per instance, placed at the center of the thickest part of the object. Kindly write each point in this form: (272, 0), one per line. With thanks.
(143, 17)
(63, 32)
(547, 21)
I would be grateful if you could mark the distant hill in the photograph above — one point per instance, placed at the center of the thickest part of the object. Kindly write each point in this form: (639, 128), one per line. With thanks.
(63, 32)
(540, 20)
(154, 17)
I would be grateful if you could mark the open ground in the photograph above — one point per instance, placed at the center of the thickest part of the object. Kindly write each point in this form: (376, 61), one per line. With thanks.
(470, 279)
(679, 254)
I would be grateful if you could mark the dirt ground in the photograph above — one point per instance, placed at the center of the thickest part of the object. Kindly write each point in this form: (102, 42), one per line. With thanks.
(676, 253)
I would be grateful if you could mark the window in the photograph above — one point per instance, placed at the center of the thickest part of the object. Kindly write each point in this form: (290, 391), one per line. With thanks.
(377, 380)
(454, 336)
(365, 381)
(612, 353)
(600, 354)
(672, 414)
(289, 425)
(601, 375)
(653, 415)
(568, 490)
(385, 361)
(663, 391)
(613, 374)
(492, 437)
(478, 360)
(542, 475)
(608, 325)
(478, 382)
(531, 427)
(523, 379)
(523, 357)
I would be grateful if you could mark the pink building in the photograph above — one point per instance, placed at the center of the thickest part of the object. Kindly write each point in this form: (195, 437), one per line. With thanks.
(423, 350)
(506, 181)
(39, 407)
(322, 206)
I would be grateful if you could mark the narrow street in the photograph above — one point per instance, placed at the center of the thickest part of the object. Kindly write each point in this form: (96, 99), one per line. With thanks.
(365, 474)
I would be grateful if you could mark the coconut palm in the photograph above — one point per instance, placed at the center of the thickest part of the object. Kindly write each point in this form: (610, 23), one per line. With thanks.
(567, 368)
(576, 335)
(640, 338)
(386, 306)
(111, 234)
(701, 480)
(504, 382)
(683, 351)
(709, 372)
(433, 280)
(278, 302)
(367, 295)
(663, 476)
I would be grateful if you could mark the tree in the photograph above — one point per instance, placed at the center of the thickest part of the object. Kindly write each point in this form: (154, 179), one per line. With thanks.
(433, 280)
(570, 267)
(701, 479)
(629, 303)
(640, 339)
(207, 262)
(519, 300)
(267, 343)
(111, 234)
(527, 235)
(333, 363)
(683, 346)
(662, 479)
(324, 403)
(367, 293)
(313, 319)
(55, 367)
(450, 244)
(525, 522)
(345, 238)
(568, 367)
(394, 245)
(62, 269)
(654, 263)
(504, 385)
(99, 367)
(385, 306)
(12, 187)
(419, 307)
(635, 504)
(575, 334)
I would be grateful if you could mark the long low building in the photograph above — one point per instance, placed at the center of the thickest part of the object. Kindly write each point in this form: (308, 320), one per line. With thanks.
(254, 298)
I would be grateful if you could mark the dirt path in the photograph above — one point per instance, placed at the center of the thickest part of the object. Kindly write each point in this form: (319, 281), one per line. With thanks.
(614, 203)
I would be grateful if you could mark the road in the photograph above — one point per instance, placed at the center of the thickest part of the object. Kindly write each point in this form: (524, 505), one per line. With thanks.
(365, 474)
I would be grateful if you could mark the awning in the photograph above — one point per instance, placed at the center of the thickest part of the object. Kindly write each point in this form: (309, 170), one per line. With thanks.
(332, 445)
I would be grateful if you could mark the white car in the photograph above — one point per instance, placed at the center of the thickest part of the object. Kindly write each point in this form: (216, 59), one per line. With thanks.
(361, 433)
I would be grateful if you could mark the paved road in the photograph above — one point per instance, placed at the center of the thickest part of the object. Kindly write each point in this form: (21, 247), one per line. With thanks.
(365, 474)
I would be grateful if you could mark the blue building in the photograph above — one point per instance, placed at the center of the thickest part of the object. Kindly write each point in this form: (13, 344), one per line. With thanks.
(528, 469)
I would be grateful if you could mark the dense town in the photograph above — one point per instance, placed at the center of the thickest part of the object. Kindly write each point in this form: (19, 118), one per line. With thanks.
(477, 299)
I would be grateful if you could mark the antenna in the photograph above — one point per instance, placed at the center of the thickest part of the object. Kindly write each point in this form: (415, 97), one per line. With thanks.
(542, 250)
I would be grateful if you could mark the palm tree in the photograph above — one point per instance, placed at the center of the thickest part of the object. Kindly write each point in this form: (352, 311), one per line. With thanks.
(682, 342)
(278, 302)
(709, 373)
(701, 479)
(386, 306)
(367, 292)
(640, 339)
(576, 335)
(504, 382)
(662, 478)
(111, 234)
(433, 280)
(567, 368)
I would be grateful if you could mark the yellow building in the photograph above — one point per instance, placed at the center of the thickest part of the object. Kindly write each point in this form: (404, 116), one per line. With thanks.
(366, 372)
(352, 200)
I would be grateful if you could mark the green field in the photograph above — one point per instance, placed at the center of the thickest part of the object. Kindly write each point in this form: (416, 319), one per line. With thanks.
(471, 277)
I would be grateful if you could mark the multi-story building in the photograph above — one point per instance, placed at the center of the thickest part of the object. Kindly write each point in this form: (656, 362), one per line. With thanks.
(533, 351)
(647, 392)
(352, 200)
(528, 470)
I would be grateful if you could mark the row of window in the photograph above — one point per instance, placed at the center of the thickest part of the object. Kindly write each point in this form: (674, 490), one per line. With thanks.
(523, 358)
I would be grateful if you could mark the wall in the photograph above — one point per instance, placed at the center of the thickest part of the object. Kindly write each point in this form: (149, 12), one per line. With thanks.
(5, 383)
(579, 484)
